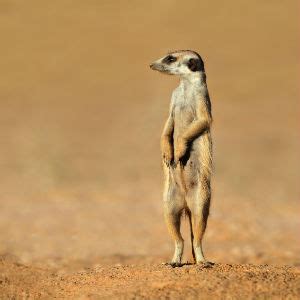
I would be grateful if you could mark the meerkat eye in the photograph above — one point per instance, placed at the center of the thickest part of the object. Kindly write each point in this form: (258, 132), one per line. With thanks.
(169, 59)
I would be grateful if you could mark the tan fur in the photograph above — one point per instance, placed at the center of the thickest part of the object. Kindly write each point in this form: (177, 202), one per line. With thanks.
(187, 156)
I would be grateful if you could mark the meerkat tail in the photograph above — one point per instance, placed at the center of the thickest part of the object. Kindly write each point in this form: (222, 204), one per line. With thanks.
(188, 213)
(181, 179)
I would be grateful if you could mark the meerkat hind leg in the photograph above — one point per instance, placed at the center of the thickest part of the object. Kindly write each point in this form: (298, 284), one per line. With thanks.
(172, 213)
(174, 204)
(199, 203)
(173, 224)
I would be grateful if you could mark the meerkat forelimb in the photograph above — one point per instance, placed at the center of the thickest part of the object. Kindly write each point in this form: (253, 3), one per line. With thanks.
(187, 151)
(167, 142)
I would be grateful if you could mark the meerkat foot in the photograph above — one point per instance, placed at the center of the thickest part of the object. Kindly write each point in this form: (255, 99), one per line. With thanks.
(174, 264)
(205, 264)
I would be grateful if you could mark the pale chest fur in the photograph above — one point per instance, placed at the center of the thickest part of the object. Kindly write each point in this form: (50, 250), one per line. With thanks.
(185, 106)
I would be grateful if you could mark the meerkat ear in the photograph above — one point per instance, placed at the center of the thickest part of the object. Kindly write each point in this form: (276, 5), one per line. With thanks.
(195, 65)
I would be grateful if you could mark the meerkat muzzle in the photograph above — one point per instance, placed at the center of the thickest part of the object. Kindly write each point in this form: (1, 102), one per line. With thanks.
(158, 67)
(153, 66)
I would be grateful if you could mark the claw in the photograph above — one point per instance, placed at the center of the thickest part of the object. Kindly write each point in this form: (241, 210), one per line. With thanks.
(175, 163)
(167, 162)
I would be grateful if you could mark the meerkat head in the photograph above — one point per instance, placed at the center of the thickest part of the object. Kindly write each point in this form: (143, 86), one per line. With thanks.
(182, 62)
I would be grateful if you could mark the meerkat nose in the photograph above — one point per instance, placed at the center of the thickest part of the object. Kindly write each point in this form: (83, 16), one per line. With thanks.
(152, 65)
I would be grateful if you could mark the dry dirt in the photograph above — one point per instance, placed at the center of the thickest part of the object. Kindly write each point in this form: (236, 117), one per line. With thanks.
(80, 177)
(152, 281)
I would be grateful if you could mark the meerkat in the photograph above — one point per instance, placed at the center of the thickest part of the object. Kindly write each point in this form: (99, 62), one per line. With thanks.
(186, 147)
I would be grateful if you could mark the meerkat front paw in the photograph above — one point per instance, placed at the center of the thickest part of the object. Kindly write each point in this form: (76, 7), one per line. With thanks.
(181, 148)
(167, 152)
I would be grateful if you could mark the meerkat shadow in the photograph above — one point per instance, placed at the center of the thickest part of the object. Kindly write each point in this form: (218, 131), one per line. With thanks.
(178, 265)
(204, 265)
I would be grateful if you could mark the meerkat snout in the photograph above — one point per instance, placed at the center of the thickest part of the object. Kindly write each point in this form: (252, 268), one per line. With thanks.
(152, 66)
(158, 66)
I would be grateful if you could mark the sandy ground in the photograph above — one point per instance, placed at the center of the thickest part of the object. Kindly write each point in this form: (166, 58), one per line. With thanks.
(153, 281)
(80, 177)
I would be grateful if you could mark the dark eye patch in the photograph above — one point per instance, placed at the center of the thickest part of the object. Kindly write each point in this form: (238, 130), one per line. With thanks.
(195, 65)
(169, 59)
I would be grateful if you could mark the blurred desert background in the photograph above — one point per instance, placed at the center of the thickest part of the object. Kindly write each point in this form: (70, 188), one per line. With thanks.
(81, 116)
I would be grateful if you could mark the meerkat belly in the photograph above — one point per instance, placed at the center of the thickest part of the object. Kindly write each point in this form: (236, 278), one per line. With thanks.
(184, 116)
(192, 166)
(186, 174)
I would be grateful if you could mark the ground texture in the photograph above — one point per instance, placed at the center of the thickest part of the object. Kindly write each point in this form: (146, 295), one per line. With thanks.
(152, 281)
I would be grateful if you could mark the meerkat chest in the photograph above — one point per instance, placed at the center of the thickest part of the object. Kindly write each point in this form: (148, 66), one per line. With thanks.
(184, 112)
(184, 106)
